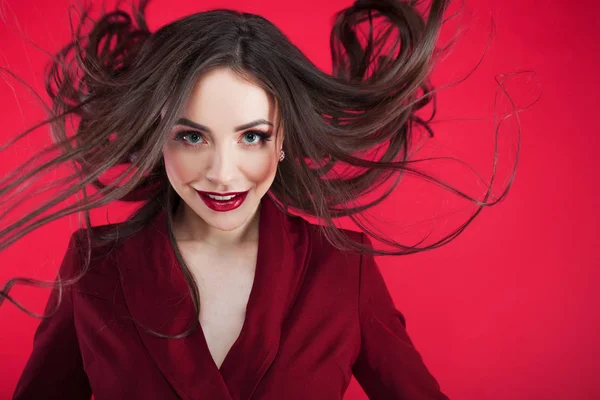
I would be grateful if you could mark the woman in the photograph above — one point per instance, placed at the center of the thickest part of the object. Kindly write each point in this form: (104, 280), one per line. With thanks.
(213, 288)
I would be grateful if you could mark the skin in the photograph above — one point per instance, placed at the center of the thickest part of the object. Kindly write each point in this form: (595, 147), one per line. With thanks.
(222, 160)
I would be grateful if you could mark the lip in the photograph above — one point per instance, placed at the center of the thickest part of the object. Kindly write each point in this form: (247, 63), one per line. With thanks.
(220, 194)
(223, 206)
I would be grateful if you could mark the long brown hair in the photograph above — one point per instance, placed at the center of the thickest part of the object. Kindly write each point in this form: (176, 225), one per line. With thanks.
(122, 88)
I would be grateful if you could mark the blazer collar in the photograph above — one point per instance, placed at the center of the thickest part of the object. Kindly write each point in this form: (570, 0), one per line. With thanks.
(158, 298)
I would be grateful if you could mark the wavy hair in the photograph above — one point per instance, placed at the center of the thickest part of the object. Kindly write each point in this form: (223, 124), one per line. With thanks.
(121, 87)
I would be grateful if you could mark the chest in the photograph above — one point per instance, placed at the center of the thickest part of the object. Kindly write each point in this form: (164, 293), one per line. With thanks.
(224, 282)
(300, 343)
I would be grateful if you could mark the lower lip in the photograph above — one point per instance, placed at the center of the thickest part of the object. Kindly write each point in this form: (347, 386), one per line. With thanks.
(223, 205)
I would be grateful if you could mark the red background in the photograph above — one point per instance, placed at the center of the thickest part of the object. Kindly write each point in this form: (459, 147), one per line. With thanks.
(509, 309)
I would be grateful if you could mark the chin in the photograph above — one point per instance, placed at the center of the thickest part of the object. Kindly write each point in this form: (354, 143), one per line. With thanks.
(228, 223)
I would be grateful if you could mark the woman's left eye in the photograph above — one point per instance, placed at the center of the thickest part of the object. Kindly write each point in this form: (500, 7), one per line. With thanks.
(256, 137)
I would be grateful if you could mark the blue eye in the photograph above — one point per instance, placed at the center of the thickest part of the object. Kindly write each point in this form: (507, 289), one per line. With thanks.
(260, 136)
(190, 134)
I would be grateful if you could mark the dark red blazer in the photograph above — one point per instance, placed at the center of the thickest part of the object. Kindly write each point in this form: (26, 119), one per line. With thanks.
(316, 316)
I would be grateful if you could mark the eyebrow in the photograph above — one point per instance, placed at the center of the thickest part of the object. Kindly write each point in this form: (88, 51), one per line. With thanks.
(187, 122)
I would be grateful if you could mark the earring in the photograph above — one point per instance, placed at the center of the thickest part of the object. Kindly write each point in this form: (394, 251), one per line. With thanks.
(281, 155)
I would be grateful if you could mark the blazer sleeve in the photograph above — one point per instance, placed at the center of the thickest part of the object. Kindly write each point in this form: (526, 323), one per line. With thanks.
(388, 365)
(54, 369)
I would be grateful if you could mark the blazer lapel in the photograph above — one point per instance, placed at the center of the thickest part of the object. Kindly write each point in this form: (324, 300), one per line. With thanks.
(157, 297)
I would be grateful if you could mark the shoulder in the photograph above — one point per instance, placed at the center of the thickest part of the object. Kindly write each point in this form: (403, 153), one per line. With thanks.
(97, 258)
(323, 247)
(94, 240)
(319, 234)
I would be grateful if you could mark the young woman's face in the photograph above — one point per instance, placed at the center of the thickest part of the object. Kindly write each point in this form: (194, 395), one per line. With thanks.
(210, 150)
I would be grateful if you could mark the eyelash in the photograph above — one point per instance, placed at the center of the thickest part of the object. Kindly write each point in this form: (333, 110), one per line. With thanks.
(264, 137)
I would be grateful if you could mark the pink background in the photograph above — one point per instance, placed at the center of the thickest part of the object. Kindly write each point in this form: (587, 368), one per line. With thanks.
(509, 309)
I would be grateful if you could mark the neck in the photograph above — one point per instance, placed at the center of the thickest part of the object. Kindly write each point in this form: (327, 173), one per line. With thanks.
(190, 227)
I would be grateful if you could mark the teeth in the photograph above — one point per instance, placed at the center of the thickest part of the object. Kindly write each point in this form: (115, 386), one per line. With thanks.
(222, 197)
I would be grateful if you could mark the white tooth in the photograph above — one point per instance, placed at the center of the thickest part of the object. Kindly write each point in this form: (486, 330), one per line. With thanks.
(222, 197)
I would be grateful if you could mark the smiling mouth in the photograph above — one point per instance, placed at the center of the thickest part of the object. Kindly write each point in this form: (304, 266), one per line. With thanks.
(222, 202)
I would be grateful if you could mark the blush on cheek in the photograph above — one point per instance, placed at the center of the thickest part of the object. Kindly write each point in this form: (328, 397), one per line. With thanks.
(183, 169)
(261, 170)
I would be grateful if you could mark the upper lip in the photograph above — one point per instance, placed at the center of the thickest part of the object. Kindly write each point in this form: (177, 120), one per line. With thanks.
(221, 194)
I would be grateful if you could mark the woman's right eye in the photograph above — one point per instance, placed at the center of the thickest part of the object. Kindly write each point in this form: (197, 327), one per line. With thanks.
(189, 138)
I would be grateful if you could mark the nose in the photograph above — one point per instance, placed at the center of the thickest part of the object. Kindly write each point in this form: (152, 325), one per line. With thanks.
(222, 166)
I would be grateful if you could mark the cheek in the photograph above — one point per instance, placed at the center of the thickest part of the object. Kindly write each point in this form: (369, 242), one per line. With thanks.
(262, 169)
(179, 168)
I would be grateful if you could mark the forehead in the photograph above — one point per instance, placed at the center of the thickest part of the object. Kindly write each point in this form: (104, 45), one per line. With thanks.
(221, 100)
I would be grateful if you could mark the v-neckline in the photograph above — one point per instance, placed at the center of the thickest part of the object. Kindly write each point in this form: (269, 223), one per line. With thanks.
(250, 306)
(258, 270)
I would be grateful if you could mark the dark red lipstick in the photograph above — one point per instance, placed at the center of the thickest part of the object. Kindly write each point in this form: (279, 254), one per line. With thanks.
(222, 205)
